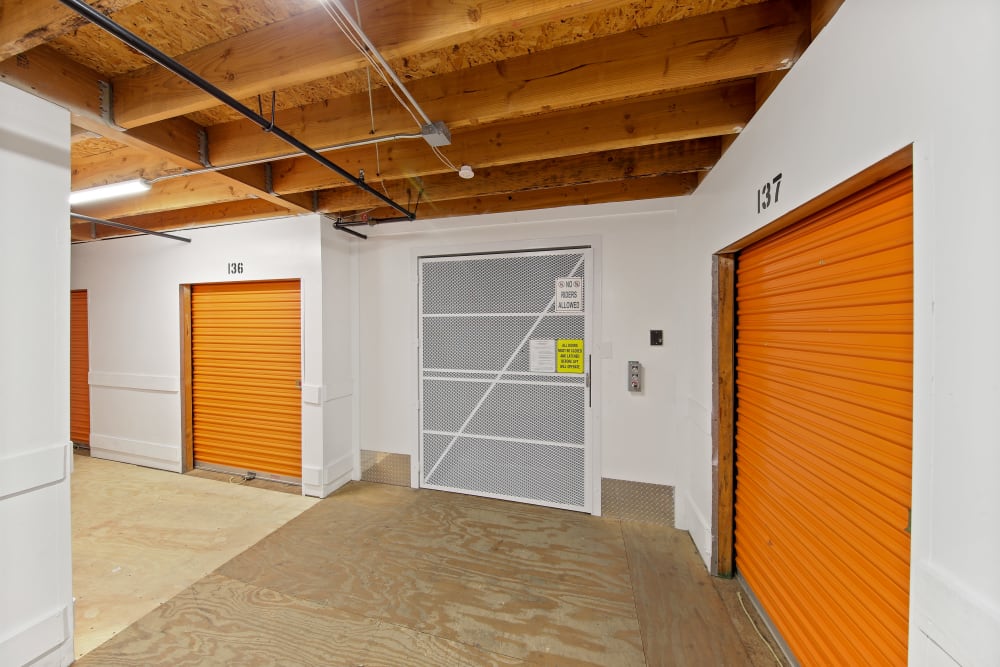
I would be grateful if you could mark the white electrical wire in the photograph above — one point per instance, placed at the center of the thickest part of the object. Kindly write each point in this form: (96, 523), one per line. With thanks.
(777, 660)
(448, 163)
(374, 53)
(356, 36)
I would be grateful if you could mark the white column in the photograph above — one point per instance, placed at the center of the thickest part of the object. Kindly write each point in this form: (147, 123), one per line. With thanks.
(36, 603)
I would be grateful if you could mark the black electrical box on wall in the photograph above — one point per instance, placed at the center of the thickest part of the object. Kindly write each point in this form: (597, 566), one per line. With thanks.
(656, 336)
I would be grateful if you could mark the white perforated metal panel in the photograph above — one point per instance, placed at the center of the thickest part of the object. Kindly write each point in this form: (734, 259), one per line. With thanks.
(492, 425)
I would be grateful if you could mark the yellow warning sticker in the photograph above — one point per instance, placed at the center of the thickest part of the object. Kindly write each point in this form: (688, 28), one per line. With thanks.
(569, 355)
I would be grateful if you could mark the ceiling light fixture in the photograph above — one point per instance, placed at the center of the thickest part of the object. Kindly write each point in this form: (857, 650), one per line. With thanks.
(465, 171)
(110, 191)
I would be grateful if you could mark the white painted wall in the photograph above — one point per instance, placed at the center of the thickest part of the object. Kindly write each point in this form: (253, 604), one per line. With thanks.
(637, 438)
(340, 290)
(133, 293)
(36, 600)
(882, 75)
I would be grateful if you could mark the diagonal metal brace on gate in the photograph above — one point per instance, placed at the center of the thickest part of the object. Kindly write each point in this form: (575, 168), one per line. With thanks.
(162, 59)
(499, 375)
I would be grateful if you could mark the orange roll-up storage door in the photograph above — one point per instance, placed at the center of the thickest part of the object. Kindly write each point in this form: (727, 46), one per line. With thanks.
(79, 369)
(824, 427)
(246, 369)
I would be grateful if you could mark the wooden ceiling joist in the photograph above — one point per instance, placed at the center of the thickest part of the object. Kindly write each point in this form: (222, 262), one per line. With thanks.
(730, 46)
(169, 195)
(212, 214)
(552, 102)
(310, 46)
(600, 167)
(670, 185)
(25, 24)
(677, 117)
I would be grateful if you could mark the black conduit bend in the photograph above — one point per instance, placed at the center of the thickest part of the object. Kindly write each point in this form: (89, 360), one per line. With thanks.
(157, 56)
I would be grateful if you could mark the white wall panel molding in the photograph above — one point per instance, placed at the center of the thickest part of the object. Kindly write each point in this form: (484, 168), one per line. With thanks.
(955, 617)
(338, 389)
(27, 471)
(312, 394)
(136, 381)
(151, 454)
(38, 637)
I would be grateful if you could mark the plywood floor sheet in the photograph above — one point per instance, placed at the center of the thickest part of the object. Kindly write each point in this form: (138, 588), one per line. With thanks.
(387, 575)
(141, 536)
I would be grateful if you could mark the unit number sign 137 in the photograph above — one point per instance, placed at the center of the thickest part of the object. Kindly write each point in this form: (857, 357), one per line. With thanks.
(767, 194)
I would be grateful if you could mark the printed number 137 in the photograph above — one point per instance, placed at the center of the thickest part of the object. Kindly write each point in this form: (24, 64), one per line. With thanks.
(764, 194)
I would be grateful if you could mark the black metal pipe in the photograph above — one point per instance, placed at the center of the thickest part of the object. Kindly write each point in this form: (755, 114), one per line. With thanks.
(122, 225)
(371, 222)
(350, 231)
(157, 56)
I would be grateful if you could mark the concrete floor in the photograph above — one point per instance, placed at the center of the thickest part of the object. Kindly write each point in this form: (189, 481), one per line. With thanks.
(383, 575)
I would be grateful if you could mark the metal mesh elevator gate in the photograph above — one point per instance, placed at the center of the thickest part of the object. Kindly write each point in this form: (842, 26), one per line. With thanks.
(505, 376)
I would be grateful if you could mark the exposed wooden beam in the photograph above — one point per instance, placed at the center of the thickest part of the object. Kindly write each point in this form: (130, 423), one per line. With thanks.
(600, 167)
(169, 195)
(120, 164)
(78, 134)
(25, 24)
(670, 185)
(309, 47)
(729, 45)
(176, 141)
(45, 73)
(766, 84)
(821, 11)
(712, 111)
(233, 211)
(126, 163)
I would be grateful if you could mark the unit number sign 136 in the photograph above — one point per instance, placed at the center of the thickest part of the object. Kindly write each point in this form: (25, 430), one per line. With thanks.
(767, 194)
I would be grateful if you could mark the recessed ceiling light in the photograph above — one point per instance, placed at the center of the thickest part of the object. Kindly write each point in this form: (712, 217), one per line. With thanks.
(465, 171)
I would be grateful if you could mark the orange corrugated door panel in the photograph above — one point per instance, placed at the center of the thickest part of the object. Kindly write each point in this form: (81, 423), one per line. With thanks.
(246, 368)
(824, 369)
(79, 369)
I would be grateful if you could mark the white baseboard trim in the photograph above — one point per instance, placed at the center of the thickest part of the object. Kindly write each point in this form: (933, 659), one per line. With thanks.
(320, 484)
(138, 452)
(699, 527)
(335, 484)
(28, 471)
(40, 637)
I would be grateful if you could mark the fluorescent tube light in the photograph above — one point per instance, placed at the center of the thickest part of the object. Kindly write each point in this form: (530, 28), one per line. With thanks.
(110, 191)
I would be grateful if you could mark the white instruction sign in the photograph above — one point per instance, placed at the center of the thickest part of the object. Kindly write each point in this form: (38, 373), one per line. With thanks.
(542, 355)
(569, 295)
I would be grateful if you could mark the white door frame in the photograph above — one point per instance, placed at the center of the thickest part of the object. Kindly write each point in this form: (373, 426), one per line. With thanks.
(594, 295)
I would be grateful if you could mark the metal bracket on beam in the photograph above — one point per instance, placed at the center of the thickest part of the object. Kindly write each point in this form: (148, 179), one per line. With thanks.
(203, 148)
(106, 104)
(268, 179)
